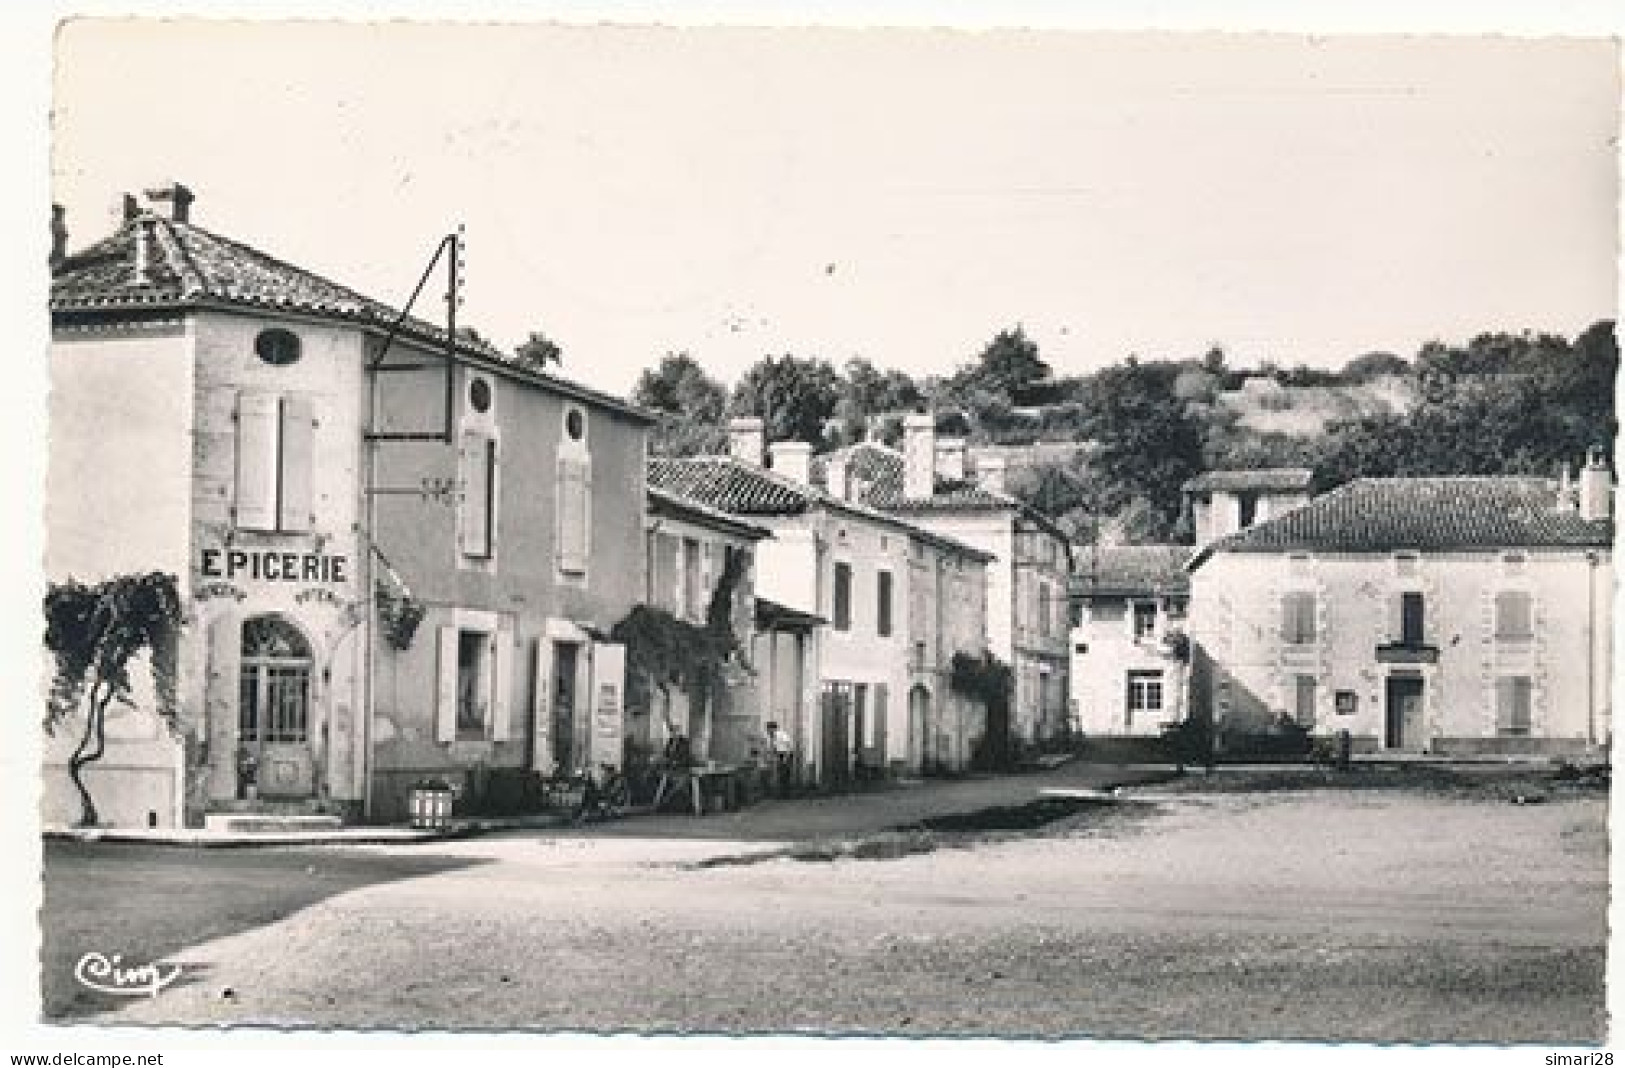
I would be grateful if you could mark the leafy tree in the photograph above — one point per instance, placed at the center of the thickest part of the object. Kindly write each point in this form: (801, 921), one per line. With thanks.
(1374, 365)
(691, 405)
(867, 391)
(794, 396)
(94, 634)
(1501, 404)
(1148, 443)
(537, 351)
(1009, 366)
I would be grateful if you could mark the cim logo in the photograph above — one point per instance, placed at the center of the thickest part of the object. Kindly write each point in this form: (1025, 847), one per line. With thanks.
(107, 975)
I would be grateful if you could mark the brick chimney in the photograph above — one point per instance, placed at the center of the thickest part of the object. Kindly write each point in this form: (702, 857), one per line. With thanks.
(792, 460)
(951, 459)
(177, 196)
(59, 235)
(990, 473)
(746, 439)
(919, 455)
(1596, 487)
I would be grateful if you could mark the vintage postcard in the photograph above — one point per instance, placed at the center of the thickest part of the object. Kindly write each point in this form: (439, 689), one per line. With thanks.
(823, 531)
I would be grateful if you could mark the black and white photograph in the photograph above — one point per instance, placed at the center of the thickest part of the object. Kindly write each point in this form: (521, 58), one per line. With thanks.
(701, 531)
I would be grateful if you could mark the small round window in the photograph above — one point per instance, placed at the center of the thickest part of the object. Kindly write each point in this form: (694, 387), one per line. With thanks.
(277, 347)
(479, 395)
(575, 424)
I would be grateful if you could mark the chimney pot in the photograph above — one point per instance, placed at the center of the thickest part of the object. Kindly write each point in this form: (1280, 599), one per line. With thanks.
(1596, 487)
(951, 459)
(177, 196)
(835, 476)
(746, 438)
(990, 473)
(792, 460)
(59, 235)
(132, 207)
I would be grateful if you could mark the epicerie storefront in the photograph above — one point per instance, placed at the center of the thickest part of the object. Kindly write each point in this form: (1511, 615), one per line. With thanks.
(284, 635)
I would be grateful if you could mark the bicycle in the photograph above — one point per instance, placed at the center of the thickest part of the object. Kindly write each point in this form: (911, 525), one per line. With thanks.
(604, 795)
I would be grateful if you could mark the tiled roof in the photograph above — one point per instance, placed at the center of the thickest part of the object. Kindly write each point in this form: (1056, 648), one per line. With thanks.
(188, 266)
(1267, 479)
(771, 615)
(739, 488)
(1439, 514)
(665, 502)
(729, 485)
(1126, 570)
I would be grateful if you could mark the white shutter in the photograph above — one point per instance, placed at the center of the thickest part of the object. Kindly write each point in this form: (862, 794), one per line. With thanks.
(541, 708)
(502, 652)
(572, 516)
(608, 702)
(257, 424)
(445, 708)
(477, 460)
(296, 499)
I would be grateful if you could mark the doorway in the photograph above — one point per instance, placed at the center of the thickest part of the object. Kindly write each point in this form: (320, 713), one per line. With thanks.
(1403, 713)
(273, 711)
(566, 751)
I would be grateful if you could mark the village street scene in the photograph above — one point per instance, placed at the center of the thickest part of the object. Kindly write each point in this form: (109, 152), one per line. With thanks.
(428, 649)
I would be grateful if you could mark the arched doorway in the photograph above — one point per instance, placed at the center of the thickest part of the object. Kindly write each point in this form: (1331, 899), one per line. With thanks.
(274, 710)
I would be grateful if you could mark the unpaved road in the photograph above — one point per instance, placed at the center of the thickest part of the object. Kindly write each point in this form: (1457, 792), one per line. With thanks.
(1329, 914)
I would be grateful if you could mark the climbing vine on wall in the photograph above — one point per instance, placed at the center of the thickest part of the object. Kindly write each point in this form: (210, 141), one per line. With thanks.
(94, 633)
(983, 678)
(663, 651)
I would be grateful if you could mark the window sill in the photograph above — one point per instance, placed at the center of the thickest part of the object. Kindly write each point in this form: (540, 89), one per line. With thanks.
(1400, 653)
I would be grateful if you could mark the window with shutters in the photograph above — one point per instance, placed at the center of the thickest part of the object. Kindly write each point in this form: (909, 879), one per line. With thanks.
(477, 516)
(1513, 705)
(472, 679)
(276, 438)
(883, 603)
(1303, 711)
(1514, 616)
(841, 608)
(1298, 618)
(574, 513)
(1145, 619)
(1412, 618)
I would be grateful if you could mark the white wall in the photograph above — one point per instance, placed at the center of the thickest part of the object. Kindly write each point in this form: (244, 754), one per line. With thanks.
(1236, 619)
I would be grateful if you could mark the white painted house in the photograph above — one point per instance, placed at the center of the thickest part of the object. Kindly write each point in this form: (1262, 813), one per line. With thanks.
(1129, 654)
(1440, 615)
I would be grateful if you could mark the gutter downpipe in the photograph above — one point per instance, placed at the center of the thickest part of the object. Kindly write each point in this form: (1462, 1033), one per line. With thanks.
(1591, 648)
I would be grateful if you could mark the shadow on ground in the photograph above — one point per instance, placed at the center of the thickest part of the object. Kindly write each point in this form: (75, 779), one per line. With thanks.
(144, 904)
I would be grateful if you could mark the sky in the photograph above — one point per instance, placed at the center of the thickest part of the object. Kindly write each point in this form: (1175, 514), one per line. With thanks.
(900, 195)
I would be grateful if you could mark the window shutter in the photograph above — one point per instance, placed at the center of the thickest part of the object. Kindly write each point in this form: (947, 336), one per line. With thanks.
(296, 500)
(880, 724)
(608, 706)
(445, 710)
(541, 708)
(257, 425)
(572, 521)
(476, 459)
(502, 652)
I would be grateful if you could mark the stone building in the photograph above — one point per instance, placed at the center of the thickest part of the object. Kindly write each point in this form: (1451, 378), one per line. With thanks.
(399, 552)
(1441, 615)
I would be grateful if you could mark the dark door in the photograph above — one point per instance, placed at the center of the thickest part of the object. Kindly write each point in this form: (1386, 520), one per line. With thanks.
(566, 753)
(834, 766)
(1403, 713)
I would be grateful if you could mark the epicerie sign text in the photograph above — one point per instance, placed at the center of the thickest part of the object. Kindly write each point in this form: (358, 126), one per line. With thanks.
(270, 565)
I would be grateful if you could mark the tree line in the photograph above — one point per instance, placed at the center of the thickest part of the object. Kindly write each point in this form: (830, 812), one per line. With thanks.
(1498, 403)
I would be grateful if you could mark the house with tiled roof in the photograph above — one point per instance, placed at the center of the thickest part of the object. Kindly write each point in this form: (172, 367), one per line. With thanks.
(399, 551)
(928, 483)
(901, 601)
(1129, 653)
(1226, 501)
(1440, 615)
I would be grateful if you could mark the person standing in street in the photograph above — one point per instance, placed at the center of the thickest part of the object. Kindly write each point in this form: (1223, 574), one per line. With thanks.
(783, 749)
